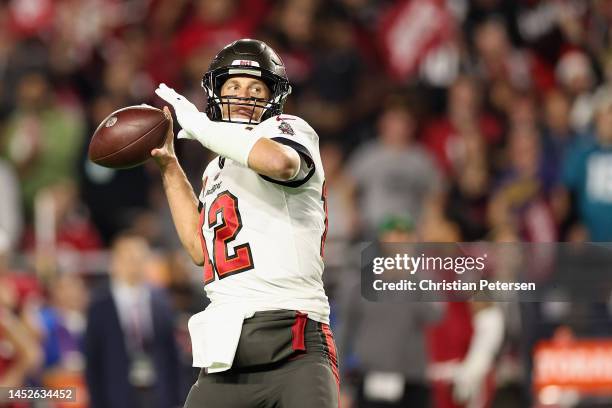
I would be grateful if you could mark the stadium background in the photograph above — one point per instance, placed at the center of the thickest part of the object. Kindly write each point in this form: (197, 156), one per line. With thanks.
(447, 120)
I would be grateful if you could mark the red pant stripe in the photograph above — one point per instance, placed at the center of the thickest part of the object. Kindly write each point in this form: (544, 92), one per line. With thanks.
(333, 355)
(297, 332)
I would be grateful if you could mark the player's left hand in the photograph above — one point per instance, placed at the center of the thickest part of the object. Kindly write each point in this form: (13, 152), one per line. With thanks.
(165, 154)
(178, 101)
(187, 115)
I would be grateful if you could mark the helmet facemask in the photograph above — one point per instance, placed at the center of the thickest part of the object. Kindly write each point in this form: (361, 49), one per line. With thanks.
(213, 81)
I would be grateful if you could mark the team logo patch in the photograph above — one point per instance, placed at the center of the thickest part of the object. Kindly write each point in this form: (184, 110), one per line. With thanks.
(286, 128)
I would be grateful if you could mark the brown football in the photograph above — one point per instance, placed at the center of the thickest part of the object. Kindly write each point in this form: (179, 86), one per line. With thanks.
(126, 137)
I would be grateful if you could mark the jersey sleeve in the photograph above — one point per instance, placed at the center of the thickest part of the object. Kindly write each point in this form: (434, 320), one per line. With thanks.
(297, 134)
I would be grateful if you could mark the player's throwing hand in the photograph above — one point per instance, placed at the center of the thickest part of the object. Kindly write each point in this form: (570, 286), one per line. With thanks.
(165, 154)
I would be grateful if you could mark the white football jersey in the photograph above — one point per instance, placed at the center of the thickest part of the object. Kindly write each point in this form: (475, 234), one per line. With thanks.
(263, 239)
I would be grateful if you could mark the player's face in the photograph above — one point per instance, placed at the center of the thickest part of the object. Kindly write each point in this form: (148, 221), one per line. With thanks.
(241, 109)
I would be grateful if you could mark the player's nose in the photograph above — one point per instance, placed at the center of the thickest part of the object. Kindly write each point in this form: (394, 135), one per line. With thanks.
(243, 93)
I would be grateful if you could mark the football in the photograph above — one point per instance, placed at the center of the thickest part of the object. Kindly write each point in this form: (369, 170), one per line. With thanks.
(126, 137)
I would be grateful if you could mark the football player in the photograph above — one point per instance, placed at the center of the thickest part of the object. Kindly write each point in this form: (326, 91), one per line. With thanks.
(258, 229)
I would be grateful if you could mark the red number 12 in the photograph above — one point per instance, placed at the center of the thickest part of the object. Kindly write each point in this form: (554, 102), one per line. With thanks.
(225, 231)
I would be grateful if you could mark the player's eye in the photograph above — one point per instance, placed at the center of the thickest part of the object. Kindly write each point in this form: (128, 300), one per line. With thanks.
(256, 90)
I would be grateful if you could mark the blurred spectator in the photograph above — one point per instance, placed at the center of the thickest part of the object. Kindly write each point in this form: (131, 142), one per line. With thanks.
(16, 57)
(343, 216)
(20, 289)
(215, 23)
(447, 136)
(577, 77)
(463, 344)
(11, 216)
(64, 324)
(130, 350)
(78, 28)
(558, 134)
(125, 80)
(61, 233)
(597, 28)
(337, 81)
(397, 376)
(42, 139)
(394, 173)
(7, 45)
(587, 173)
(468, 196)
(20, 352)
(74, 230)
(188, 298)
(496, 59)
(463, 347)
(63, 332)
(522, 110)
(366, 12)
(290, 30)
(161, 60)
(28, 19)
(521, 202)
(548, 27)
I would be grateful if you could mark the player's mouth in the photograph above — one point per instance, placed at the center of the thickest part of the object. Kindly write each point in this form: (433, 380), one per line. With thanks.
(243, 112)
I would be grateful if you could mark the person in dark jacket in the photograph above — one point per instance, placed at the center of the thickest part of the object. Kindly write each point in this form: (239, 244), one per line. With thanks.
(131, 353)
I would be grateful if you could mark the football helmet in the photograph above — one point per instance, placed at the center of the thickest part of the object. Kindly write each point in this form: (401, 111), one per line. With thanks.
(251, 58)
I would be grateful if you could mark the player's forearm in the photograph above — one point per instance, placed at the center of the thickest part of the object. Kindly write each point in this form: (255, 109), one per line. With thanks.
(239, 144)
(274, 160)
(184, 209)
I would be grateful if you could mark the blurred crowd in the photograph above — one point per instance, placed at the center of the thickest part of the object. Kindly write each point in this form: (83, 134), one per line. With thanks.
(439, 121)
